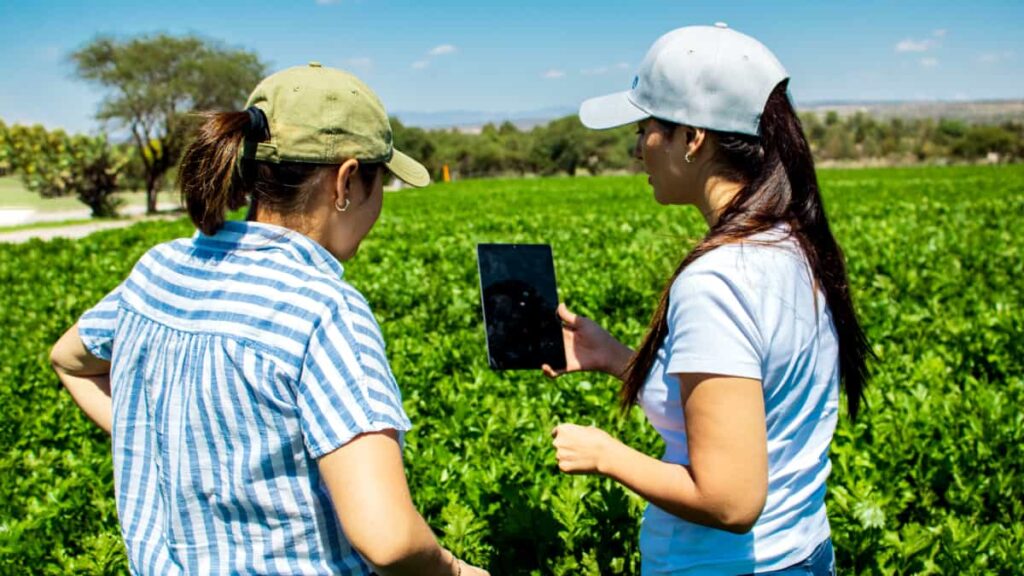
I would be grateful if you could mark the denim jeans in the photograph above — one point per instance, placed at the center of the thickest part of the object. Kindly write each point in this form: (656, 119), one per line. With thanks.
(821, 562)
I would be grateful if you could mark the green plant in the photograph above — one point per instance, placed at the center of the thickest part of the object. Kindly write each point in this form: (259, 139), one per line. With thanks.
(930, 480)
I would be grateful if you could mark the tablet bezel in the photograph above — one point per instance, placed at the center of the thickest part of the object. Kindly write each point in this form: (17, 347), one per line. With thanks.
(501, 361)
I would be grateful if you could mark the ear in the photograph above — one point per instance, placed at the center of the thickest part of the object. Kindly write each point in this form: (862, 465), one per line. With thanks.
(695, 138)
(343, 181)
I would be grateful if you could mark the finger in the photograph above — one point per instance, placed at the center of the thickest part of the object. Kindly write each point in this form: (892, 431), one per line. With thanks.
(568, 318)
(551, 372)
(554, 431)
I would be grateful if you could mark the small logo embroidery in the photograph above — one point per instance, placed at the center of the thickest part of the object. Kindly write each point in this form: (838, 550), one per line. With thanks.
(636, 80)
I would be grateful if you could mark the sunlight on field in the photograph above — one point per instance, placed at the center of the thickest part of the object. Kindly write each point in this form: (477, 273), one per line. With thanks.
(930, 474)
(13, 194)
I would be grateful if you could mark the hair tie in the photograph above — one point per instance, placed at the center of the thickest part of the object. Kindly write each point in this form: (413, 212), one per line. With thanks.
(258, 128)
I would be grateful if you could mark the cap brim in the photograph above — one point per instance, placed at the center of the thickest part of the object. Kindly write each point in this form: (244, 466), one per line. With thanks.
(610, 111)
(408, 170)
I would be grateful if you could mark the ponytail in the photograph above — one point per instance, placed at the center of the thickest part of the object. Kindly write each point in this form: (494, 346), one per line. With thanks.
(780, 187)
(208, 178)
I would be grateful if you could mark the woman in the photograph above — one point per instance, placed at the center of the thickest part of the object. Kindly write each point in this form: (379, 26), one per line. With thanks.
(740, 369)
(256, 424)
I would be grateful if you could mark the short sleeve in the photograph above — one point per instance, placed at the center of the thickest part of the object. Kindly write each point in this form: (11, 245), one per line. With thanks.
(341, 391)
(97, 326)
(712, 327)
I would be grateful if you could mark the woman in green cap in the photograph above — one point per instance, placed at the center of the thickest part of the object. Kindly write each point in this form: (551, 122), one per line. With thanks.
(256, 424)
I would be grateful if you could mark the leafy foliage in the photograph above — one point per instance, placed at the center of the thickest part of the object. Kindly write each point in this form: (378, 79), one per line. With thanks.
(563, 146)
(53, 163)
(930, 480)
(154, 82)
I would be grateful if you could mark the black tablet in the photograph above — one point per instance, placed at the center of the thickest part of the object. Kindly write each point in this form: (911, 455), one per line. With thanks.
(520, 301)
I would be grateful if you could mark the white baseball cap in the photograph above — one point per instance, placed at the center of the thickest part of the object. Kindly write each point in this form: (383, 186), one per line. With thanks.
(704, 76)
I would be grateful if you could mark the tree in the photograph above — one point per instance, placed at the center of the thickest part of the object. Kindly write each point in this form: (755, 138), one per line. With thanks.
(415, 142)
(6, 153)
(559, 146)
(56, 164)
(153, 82)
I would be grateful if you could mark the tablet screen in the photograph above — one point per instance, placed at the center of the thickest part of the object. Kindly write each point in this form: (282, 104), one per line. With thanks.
(517, 287)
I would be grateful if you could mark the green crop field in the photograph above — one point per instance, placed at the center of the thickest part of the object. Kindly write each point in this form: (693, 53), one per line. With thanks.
(929, 480)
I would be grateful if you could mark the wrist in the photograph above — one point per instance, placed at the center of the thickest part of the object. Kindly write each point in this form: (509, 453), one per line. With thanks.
(454, 565)
(617, 360)
(608, 456)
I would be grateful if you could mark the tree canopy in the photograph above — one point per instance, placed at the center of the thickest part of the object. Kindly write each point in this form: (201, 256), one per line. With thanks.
(153, 82)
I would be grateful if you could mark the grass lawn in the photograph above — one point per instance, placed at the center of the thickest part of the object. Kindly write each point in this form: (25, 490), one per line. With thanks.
(13, 194)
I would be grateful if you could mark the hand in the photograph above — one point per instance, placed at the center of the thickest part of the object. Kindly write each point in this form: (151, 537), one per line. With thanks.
(463, 568)
(581, 449)
(588, 346)
(469, 570)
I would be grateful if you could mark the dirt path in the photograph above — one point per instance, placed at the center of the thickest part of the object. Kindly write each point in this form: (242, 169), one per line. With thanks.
(78, 230)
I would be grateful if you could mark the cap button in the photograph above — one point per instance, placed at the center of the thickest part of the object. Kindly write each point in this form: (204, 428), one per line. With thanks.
(314, 64)
(721, 25)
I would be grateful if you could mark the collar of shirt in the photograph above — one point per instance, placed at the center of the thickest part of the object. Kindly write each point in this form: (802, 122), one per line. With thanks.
(244, 235)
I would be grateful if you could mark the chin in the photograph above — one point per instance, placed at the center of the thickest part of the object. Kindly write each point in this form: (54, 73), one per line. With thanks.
(344, 256)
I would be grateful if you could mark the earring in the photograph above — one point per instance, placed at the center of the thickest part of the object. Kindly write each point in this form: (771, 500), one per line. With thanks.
(688, 158)
(341, 208)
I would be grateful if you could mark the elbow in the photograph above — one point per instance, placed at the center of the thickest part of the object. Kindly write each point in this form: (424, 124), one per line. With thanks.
(740, 522)
(385, 559)
(393, 562)
(55, 361)
(394, 555)
(740, 516)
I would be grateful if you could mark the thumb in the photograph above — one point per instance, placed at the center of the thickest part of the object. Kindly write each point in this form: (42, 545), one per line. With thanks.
(567, 317)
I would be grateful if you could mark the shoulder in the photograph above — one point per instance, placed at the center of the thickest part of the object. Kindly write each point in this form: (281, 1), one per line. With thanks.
(347, 308)
(753, 265)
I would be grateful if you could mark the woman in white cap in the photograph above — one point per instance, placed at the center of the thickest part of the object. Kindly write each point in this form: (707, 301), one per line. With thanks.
(256, 424)
(740, 369)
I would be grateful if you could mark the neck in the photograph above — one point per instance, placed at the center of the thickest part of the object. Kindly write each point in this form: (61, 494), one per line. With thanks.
(297, 222)
(718, 192)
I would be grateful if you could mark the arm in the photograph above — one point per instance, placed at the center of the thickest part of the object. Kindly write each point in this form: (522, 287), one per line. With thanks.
(85, 376)
(376, 509)
(726, 483)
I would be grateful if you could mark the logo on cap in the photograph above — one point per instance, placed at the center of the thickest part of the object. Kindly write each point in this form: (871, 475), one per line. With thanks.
(636, 80)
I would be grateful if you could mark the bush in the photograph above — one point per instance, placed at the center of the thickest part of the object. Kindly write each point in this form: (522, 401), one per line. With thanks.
(54, 164)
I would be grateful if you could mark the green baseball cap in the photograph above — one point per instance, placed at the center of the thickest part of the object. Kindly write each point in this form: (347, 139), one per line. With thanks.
(321, 115)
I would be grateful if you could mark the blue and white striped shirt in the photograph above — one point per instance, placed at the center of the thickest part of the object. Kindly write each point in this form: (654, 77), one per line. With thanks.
(237, 360)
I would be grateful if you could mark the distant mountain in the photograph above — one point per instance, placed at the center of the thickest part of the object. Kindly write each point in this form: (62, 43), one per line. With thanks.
(473, 120)
(975, 111)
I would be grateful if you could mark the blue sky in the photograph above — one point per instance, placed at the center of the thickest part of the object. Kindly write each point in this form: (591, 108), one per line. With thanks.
(527, 55)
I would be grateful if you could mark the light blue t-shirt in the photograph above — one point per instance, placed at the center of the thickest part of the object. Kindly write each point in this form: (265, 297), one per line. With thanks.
(749, 310)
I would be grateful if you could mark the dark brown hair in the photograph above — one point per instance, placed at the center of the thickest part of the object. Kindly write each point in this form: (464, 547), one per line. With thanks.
(780, 186)
(212, 181)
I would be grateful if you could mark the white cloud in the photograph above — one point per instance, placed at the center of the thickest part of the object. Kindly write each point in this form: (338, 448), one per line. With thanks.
(359, 62)
(622, 65)
(940, 33)
(420, 64)
(929, 62)
(911, 45)
(442, 50)
(995, 57)
(554, 74)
